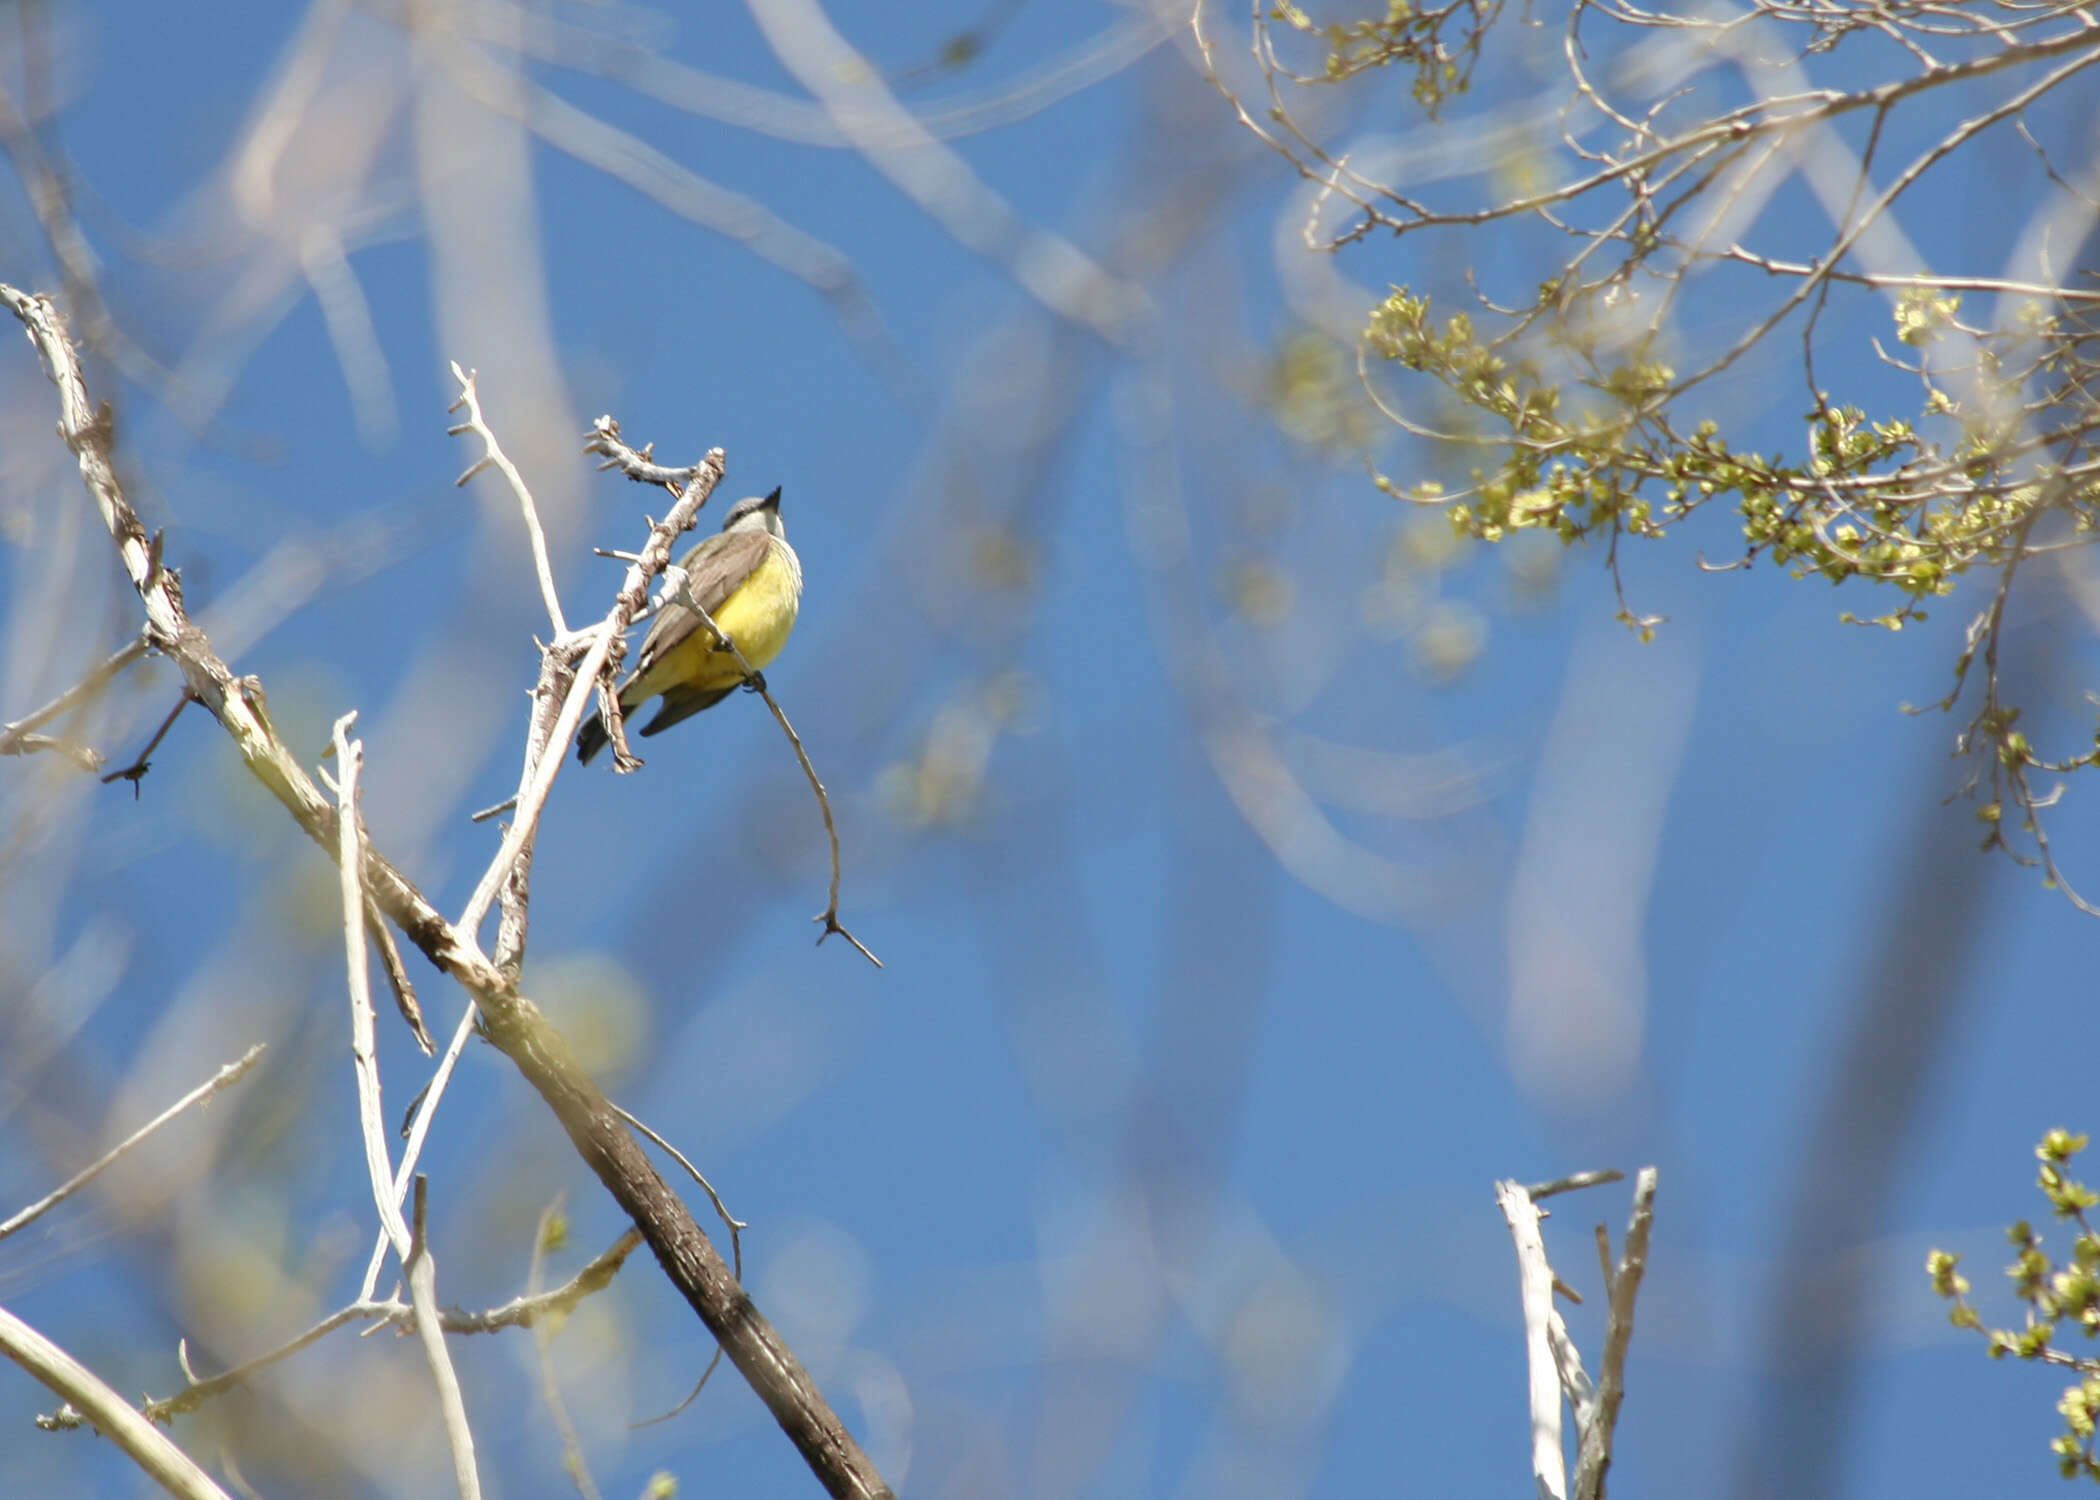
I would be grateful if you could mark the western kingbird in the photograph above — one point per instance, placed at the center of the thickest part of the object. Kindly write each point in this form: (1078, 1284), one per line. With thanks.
(749, 580)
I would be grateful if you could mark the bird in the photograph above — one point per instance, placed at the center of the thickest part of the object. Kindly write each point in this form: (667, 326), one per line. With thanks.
(749, 581)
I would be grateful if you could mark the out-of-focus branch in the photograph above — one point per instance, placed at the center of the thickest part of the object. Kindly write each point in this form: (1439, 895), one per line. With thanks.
(50, 198)
(561, 43)
(111, 1415)
(1048, 267)
(19, 737)
(550, 1383)
(232, 1073)
(746, 221)
(512, 1022)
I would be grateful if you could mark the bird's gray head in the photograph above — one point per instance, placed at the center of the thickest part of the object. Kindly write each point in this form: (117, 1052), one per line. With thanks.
(756, 513)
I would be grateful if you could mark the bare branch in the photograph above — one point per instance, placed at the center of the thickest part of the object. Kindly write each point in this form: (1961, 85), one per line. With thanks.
(414, 1254)
(1574, 1183)
(19, 737)
(418, 1132)
(493, 454)
(1555, 1365)
(1048, 267)
(534, 1308)
(787, 117)
(1535, 1277)
(1594, 1457)
(550, 1386)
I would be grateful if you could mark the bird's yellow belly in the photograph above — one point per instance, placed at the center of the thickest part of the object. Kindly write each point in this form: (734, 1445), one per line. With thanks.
(759, 617)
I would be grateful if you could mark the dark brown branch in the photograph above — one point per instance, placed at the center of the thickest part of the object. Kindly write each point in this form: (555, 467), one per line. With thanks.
(397, 980)
(136, 771)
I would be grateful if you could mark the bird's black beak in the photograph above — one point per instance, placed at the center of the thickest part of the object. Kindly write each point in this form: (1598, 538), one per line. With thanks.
(773, 500)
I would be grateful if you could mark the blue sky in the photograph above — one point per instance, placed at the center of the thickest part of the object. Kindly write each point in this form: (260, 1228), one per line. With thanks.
(1159, 1157)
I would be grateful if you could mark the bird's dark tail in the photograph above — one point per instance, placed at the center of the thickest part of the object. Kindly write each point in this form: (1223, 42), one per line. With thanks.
(591, 738)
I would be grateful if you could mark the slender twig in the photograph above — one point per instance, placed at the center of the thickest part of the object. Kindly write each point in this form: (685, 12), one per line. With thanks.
(829, 916)
(556, 680)
(550, 1386)
(519, 1312)
(416, 1260)
(20, 736)
(557, 684)
(736, 1249)
(1573, 1182)
(87, 757)
(638, 464)
(735, 1225)
(111, 1415)
(418, 1132)
(690, 1396)
(1594, 1458)
(493, 454)
(232, 1073)
(136, 771)
(496, 811)
(200, 1391)
(532, 1310)
(679, 588)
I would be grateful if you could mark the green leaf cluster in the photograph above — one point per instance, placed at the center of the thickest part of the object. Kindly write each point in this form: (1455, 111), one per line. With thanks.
(2057, 1297)
(1405, 34)
(1595, 445)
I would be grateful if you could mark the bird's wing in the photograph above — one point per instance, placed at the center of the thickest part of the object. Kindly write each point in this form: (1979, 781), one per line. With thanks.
(715, 568)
